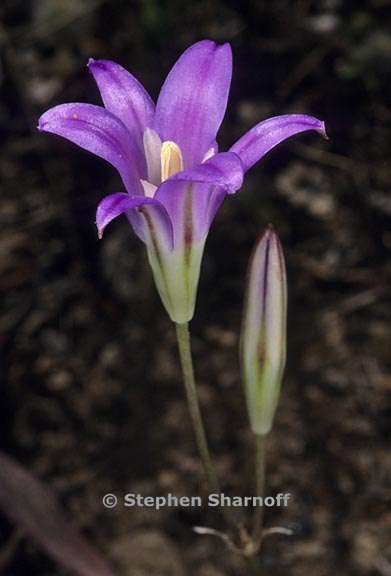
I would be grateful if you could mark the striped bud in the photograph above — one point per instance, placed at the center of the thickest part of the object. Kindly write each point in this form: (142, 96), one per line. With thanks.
(263, 338)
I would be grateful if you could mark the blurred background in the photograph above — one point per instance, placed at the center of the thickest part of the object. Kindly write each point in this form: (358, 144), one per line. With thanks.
(92, 400)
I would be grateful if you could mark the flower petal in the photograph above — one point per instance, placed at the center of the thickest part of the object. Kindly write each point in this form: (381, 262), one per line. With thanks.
(100, 132)
(124, 96)
(193, 99)
(264, 136)
(191, 207)
(148, 217)
(224, 170)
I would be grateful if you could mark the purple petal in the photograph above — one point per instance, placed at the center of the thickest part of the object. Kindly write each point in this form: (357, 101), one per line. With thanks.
(223, 170)
(193, 99)
(148, 217)
(192, 197)
(191, 207)
(124, 96)
(264, 136)
(100, 132)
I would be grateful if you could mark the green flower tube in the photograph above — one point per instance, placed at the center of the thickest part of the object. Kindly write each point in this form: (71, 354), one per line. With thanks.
(263, 337)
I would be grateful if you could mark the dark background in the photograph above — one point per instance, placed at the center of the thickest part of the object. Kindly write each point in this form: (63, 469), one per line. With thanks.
(92, 400)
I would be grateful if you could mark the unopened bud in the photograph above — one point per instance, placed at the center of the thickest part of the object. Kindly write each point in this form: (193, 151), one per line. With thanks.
(263, 338)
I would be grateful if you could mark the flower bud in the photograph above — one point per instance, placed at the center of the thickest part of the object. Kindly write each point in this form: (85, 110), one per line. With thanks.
(263, 338)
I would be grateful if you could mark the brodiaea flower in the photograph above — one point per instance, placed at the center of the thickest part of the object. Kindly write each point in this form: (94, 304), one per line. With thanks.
(167, 156)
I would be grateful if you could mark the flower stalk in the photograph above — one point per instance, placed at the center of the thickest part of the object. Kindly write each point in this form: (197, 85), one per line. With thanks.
(184, 347)
(260, 473)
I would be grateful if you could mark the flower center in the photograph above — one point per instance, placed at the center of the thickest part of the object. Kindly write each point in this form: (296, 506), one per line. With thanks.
(164, 159)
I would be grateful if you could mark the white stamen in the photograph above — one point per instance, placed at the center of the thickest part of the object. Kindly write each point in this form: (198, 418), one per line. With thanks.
(152, 149)
(211, 152)
(149, 189)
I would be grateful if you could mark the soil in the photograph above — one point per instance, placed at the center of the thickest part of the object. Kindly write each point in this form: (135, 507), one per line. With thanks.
(92, 400)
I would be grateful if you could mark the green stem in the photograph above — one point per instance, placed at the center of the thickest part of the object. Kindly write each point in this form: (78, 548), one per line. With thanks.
(260, 466)
(183, 337)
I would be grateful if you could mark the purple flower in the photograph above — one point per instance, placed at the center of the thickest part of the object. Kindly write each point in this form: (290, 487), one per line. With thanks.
(168, 159)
